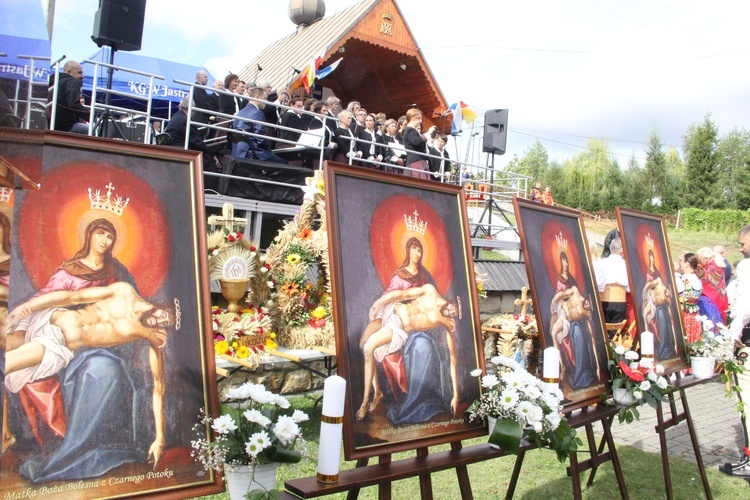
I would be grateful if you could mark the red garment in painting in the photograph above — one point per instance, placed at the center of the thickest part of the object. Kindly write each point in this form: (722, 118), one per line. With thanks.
(395, 375)
(42, 400)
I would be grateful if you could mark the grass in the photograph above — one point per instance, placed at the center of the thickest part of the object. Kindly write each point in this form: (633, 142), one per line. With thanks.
(542, 476)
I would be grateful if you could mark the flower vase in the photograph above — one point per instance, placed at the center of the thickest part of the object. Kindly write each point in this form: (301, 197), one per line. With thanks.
(239, 477)
(233, 289)
(702, 367)
(623, 396)
(507, 434)
(491, 421)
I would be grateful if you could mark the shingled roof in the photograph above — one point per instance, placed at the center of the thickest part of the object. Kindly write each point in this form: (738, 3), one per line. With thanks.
(502, 276)
(376, 44)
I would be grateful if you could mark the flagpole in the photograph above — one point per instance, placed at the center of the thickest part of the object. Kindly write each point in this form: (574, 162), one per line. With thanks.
(471, 135)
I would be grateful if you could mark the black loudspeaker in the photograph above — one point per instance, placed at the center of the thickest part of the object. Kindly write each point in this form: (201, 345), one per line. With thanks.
(119, 24)
(495, 131)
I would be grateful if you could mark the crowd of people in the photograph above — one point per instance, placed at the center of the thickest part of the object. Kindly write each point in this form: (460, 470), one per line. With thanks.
(271, 120)
(275, 119)
(709, 287)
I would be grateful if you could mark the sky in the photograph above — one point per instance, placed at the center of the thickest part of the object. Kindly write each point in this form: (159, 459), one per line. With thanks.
(565, 70)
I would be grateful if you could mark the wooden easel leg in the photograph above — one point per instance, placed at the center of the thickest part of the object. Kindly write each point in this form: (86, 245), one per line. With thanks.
(663, 445)
(425, 480)
(354, 492)
(514, 476)
(606, 425)
(575, 476)
(384, 489)
(696, 447)
(464, 484)
(593, 452)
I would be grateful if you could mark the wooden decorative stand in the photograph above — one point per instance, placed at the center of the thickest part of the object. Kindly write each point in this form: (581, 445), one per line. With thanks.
(386, 471)
(586, 418)
(458, 457)
(680, 384)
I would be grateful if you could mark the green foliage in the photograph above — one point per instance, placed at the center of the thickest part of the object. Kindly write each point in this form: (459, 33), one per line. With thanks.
(700, 144)
(720, 221)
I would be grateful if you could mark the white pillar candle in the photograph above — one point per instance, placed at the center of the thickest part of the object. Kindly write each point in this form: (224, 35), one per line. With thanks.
(331, 429)
(647, 349)
(551, 368)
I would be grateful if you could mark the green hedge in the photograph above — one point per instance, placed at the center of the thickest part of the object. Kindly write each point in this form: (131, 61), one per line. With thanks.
(721, 221)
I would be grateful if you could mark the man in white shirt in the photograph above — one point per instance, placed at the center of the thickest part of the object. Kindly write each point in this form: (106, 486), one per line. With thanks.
(612, 276)
(739, 327)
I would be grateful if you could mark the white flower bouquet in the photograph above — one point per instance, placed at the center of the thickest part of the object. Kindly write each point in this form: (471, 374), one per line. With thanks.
(523, 406)
(251, 430)
(639, 382)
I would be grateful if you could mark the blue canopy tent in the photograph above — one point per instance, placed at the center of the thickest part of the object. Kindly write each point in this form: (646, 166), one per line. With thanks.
(166, 93)
(23, 31)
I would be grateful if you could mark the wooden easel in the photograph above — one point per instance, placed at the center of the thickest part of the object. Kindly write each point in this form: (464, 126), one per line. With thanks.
(680, 384)
(585, 418)
(386, 471)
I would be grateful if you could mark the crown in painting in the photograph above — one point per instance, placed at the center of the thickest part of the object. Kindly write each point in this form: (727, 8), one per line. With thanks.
(562, 242)
(649, 241)
(415, 223)
(106, 202)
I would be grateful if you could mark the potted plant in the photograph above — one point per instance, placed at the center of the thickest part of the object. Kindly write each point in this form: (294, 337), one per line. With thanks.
(634, 382)
(516, 404)
(253, 436)
(715, 348)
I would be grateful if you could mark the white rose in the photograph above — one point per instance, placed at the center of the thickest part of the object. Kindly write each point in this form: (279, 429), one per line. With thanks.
(631, 355)
(489, 381)
(659, 369)
(620, 350)
(476, 373)
(661, 383)
(637, 394)
(645, 385)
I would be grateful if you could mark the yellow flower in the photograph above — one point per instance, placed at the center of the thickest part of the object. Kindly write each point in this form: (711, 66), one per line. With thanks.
(293, 258)
(221, 347)
(320, 185)
(290, 288)
(270, 344)
(235, 344)
(319, 312)
(480, 287)
(247, 311)
(243, 352)
(272, 335)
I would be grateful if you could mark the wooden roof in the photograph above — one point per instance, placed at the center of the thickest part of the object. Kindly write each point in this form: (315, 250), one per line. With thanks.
(375, 41)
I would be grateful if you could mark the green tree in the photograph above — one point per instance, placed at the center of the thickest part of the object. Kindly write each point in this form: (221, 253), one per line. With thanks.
(732, 154)
(699, 146)
(654, 170)
(584, 174)
(672, 196)
(534, 163)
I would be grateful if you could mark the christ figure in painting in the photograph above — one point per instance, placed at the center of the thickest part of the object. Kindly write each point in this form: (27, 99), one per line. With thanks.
(571, 329)
(110, 316)
(402, 312)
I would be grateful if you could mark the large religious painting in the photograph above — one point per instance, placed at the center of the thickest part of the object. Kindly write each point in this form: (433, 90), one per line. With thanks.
(407, 323)
(566, 303)
(20, 166)
(646, 251)
(106, 371)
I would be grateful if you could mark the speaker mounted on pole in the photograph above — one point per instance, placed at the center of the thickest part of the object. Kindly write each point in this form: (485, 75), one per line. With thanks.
(495, 131)
(119, 24)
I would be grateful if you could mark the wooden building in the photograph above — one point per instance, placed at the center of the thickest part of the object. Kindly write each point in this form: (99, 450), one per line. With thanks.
(382, 67)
